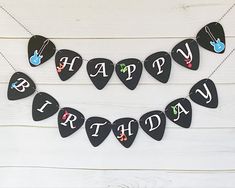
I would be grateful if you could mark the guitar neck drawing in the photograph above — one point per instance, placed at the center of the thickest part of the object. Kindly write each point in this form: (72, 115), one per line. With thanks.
(207, 29)
(45, 43)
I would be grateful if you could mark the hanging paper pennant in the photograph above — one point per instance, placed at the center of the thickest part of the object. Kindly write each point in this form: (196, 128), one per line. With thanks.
(154, 123)
(97, 129)
(67, 63)
(129, 72)
(100, 71)
(158, 65)
(204, 93)
(186, 53)
(125, 130)
(179, 111)
(40, 49)
(69, 121)
(20, 86)
(212, 38)
(44, 106)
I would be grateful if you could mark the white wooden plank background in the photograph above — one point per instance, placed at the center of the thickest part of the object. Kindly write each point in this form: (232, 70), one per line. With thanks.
(34, 155)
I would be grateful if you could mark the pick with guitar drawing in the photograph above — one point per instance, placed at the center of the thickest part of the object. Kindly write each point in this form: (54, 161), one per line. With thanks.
(125, 130)
(100, 71)
(40, 50)
(179, 112)
(44, 106)
(153, 123)
(67, 63)
(212, 37)
(186, 53)
(20, 86)
(129, 72)
(158, 65)
(69, 121)
(97, 129)
(204, 93)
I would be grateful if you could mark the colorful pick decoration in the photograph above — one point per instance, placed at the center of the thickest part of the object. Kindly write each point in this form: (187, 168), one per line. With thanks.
(20, 86)
(67, 63)
(129, 72)
(212, 37)
(69, 121)
(204, 93)
(125, 130)
(179, 112)
(186, 53)
(40, 50)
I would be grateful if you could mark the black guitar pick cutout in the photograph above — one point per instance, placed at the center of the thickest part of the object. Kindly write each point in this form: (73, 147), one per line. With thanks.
(44, 106)
(97, 129)
(67, 63)
(158, 65)
(100, 71)
(125, 130)
(129, 72)
(40, 49)
(20, 86)
(154, 123)
(69, 121)
(186, 53)
(212, 37)
(179, 112)
(204, 93)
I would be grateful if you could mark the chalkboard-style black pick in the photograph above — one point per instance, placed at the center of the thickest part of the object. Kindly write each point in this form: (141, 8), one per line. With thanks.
(69, 121)
(97, 129)
(125, 130)
(44, 106)
(204, 93)
(20, 86)
(179, 112)
(186, 53)
(154, 123)
(129, 72)
(212, 38)
(40, 49)
(158, 65)
(67, 63)
(100, 71)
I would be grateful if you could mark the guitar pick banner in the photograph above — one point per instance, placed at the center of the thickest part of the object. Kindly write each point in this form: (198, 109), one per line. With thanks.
(124, 129)
(186, 53)
(67, 62)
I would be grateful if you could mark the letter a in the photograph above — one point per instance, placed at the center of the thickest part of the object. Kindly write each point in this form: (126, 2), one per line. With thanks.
(180, 109)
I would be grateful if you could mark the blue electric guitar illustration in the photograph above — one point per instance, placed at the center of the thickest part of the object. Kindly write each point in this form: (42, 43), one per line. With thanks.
(35, 59)
(217, 44)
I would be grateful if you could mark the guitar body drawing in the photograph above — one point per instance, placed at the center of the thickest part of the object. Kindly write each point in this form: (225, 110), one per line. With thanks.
(216, 43)
(37, 56)
(35, 59)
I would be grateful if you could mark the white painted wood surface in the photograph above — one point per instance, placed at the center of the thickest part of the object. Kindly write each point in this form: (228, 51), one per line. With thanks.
(34, 155)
